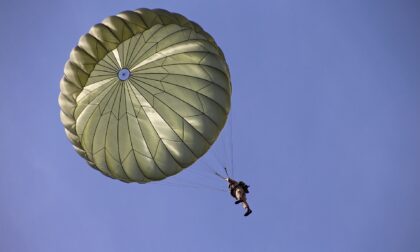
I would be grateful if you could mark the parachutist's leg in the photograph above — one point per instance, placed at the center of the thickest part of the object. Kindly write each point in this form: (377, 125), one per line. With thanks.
(245, 204)
(247, 208)
(241, 197)
(238, 197)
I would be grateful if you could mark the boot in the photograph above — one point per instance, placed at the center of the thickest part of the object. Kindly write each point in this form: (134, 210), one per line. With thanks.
(248, 212)
(238, 201)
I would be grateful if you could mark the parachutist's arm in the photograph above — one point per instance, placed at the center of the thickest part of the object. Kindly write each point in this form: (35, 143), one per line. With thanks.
(231, 181)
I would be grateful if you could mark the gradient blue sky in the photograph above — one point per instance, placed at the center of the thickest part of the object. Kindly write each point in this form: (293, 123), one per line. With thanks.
(326, 129)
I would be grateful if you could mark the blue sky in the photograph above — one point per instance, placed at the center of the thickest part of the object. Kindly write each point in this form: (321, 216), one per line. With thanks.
(325, 119)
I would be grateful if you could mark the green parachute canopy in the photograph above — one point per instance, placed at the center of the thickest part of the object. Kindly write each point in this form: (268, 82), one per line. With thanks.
(144, 94)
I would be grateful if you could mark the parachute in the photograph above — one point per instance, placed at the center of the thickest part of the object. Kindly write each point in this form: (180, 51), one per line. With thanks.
(144, 94)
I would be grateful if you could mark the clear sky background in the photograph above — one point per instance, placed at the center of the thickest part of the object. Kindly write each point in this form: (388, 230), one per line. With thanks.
(326, 130)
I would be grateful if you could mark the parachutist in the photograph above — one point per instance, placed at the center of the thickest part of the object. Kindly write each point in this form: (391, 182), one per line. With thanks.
(238, 190)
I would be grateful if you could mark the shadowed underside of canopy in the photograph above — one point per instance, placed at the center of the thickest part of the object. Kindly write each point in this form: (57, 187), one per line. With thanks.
(144, 95)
